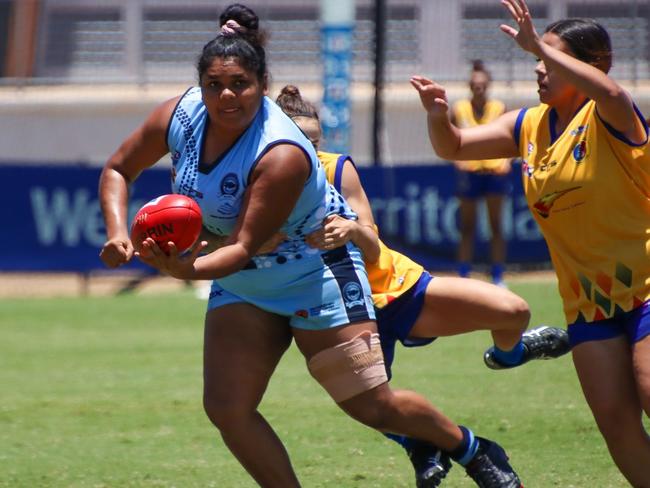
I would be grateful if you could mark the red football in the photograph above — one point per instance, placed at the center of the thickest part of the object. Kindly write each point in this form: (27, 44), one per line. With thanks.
(175, 218)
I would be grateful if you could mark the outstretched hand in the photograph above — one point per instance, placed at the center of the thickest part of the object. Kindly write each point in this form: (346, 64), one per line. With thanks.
(432, 96)
(526, 36)
(172, 264)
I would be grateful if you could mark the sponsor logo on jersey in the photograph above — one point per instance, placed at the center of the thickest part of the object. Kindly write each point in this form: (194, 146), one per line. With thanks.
(547, 166)
(215, 293)
(315, 311)
(544, 205)
(186, 189)
(325, 307)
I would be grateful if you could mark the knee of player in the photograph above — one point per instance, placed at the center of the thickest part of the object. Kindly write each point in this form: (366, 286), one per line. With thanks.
(516, 311)
(226, 413)
(374, 409)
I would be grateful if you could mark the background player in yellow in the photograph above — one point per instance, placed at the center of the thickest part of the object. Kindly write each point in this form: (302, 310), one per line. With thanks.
(585, 174)
(481, 179)
(413, 307)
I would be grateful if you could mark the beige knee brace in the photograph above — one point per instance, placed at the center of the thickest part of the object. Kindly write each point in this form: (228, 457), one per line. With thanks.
(350, 368)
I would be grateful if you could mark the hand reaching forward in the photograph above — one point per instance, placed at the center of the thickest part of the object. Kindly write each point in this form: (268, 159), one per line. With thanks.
(172, 264)
(432, 96)
(526, 36)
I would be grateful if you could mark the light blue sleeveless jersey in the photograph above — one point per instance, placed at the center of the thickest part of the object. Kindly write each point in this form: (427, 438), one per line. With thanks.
(294, 278)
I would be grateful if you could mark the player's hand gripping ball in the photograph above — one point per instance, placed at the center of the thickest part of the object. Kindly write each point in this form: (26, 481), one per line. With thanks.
(174, 218)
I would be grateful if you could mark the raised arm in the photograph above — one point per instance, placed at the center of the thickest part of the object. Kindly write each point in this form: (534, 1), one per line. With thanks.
(142, 149)
(614, 104)
(488, 141)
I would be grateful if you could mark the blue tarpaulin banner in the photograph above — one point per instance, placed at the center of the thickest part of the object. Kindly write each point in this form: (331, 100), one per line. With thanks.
(52, 219)
(416, 211)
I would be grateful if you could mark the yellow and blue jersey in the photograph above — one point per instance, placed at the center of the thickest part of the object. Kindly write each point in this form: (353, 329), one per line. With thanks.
(464, 118)
(589, 190)
(393, 273)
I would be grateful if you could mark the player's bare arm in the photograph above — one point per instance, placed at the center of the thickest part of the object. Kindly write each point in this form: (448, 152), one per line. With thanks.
(337, 230)
(215, 242)
(489, 141)
(276, 185)
(365, 231)
(614, 103)
(142, 149)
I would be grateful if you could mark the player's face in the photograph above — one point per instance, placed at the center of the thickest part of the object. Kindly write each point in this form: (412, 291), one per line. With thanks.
(553, 89)
(311, 128)
(478, 84)
(232, 94)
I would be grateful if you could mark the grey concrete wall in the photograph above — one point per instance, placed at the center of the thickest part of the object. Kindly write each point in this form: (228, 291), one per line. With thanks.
(86, 124)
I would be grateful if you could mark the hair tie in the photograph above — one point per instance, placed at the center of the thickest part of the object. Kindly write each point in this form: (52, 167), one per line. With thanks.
(232, 27)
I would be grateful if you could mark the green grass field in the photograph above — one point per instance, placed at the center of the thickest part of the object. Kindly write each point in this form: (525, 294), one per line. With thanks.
(106, 392)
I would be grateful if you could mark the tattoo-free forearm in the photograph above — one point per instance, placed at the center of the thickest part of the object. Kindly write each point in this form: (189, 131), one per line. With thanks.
(365, 238)
(444, 137)
(113, 197)
(220, 263)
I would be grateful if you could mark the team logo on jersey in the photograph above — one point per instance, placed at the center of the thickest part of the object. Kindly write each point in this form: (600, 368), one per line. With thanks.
(580, 151)
(229, 184)
(176, 155)
(531, 148)
(544, 205)
(228, 200)
(352, 294)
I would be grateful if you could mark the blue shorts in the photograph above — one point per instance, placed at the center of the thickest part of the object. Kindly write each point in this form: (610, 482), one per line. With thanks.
(316, 292)
(635, 325)
(396, 320)
(479, 184)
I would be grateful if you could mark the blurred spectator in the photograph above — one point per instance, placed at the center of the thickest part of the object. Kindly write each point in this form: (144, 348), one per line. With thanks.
(482, 179)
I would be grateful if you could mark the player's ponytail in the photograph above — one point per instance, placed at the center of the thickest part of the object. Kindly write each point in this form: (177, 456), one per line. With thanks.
(245, 43)
(478, 66)
(240, 18)
(291, 102)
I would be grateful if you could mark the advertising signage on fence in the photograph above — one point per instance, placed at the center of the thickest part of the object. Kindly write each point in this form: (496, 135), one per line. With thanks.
(52, 218)
(417, 214)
